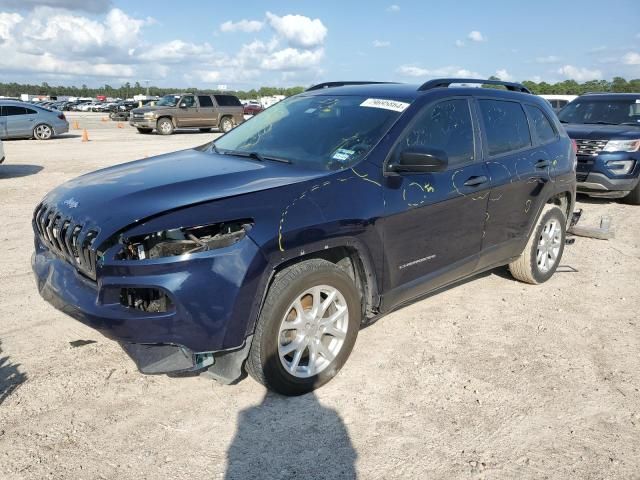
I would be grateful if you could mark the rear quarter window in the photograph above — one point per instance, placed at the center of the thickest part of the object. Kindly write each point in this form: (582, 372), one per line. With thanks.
(227, 101)
(505, 125)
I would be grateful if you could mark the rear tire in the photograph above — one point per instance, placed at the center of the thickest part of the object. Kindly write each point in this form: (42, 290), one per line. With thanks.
(42, 132)
(164, 126)
(543, 252)
(144, 130)
(323, 344)
(633, 197)
(226, 124)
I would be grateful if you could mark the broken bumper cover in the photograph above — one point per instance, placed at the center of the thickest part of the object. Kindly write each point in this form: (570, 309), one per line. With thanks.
(598, 184)
(212, 297)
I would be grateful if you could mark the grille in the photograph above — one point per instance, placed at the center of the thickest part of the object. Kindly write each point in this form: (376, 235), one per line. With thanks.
(590, 147)
(582, 176)
(138, 116)
(66, 239)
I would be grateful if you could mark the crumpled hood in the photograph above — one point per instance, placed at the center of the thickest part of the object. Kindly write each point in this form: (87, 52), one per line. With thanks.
(579, 131)
(148, 108)
(116, 197)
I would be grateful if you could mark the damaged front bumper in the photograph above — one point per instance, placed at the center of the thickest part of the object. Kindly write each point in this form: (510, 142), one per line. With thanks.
(209, 300)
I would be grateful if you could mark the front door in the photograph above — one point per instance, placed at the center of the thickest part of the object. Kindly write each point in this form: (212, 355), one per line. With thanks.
(3, 123)
(19, 124)
(188, 114)
(434, 222)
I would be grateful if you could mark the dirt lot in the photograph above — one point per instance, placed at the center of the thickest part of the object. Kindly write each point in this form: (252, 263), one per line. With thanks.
(490, 379)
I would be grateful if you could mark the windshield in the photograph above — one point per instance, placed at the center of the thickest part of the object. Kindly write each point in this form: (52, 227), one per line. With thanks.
(609, 112)
(168, 101)
(327, 132)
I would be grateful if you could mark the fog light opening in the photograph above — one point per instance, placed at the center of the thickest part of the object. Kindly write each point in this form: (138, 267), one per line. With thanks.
(145, 299)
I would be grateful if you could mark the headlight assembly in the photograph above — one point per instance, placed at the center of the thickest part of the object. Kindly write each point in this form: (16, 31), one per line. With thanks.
(149, 114)
(183, 241)
(622, 146)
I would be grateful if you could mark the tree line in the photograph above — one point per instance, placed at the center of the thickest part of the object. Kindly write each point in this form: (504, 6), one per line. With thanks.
(127, 90)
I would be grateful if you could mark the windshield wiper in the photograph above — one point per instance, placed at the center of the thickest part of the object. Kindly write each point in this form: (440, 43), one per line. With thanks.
(600, 123)
(635, 124)
(254, 155)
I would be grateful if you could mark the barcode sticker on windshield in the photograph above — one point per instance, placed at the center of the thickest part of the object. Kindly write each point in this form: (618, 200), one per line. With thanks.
(386, 104)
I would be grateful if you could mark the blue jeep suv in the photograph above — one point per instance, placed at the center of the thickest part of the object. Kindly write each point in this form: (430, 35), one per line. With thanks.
(606, 129)
(267, 249)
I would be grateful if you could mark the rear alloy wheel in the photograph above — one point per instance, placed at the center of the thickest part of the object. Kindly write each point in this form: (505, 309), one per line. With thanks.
(307, 328)
(226, 124)
(43, 132)
(164, 126)
(541, 257)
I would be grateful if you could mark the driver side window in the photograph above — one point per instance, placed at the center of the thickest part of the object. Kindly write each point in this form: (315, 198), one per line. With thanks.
(444, 126)
(188, 101)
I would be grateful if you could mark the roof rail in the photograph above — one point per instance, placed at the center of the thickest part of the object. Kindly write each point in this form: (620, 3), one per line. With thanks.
(446, 82)
(320, 86)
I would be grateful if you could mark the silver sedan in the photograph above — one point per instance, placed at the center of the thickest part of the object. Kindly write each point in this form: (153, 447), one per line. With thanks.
(24, 120)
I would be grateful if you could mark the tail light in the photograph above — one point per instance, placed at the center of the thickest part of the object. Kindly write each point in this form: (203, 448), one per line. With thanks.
(574, 145)
(61, 116)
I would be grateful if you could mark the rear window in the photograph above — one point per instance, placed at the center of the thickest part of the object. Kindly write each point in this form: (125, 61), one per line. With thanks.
(541, 127)
(505, 125)
(227, 101)
(205, 101)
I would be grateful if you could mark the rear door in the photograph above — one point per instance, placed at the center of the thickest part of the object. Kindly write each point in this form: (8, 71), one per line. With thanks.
(434, 221)
(208, 112)
(19, 124)
(519, 168)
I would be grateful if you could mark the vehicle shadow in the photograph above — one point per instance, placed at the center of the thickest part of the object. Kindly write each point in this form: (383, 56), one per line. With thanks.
(10, 377)
(595, 200)
(16, 171)
(288, 438)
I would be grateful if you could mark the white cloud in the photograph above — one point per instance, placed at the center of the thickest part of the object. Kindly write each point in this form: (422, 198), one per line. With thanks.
(393, 8)
(246, 26)
(548, 59)
(460, 43)
(176, 51)
(7, 22)
(631, 58)
(476, 36)
(381, 43)
(503, 75)
(448, 71)
(292, 59)
(579, 74)
(299, 31)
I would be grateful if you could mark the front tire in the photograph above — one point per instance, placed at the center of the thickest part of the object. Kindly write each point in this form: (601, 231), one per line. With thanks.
(42, 132)
(633, 197)
(541, 257)
(307, 328)
(164, 126)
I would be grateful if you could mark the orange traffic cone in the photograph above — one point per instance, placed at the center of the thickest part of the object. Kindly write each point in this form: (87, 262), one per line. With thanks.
(104, 119)
(120, 125)
(76, 125)
(85, 135)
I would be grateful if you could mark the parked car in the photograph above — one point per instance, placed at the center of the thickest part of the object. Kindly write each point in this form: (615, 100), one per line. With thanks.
(121, 110)
(558, 102)
(606, 129)
(24, 120)
(186, 110)
(269, 248)
(1, 152)
(252, 108)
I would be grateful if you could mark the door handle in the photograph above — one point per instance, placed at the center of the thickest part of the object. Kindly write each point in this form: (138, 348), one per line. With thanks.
(475, 181)
(542, 163)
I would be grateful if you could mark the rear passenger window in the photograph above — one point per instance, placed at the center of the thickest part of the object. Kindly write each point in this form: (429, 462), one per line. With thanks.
(505, 125)
(10, 110)
(227, 101)
(205, 101)
(30, 111)
(444, 126)
(542, 130)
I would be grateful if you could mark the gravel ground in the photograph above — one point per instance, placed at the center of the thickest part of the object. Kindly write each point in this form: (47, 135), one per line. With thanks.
(489, 379)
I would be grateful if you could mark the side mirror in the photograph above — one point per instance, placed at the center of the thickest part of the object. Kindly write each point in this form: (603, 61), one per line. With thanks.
(183, 105)
(420, 160)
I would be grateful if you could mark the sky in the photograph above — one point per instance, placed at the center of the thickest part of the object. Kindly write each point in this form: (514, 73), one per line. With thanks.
(248, 44)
